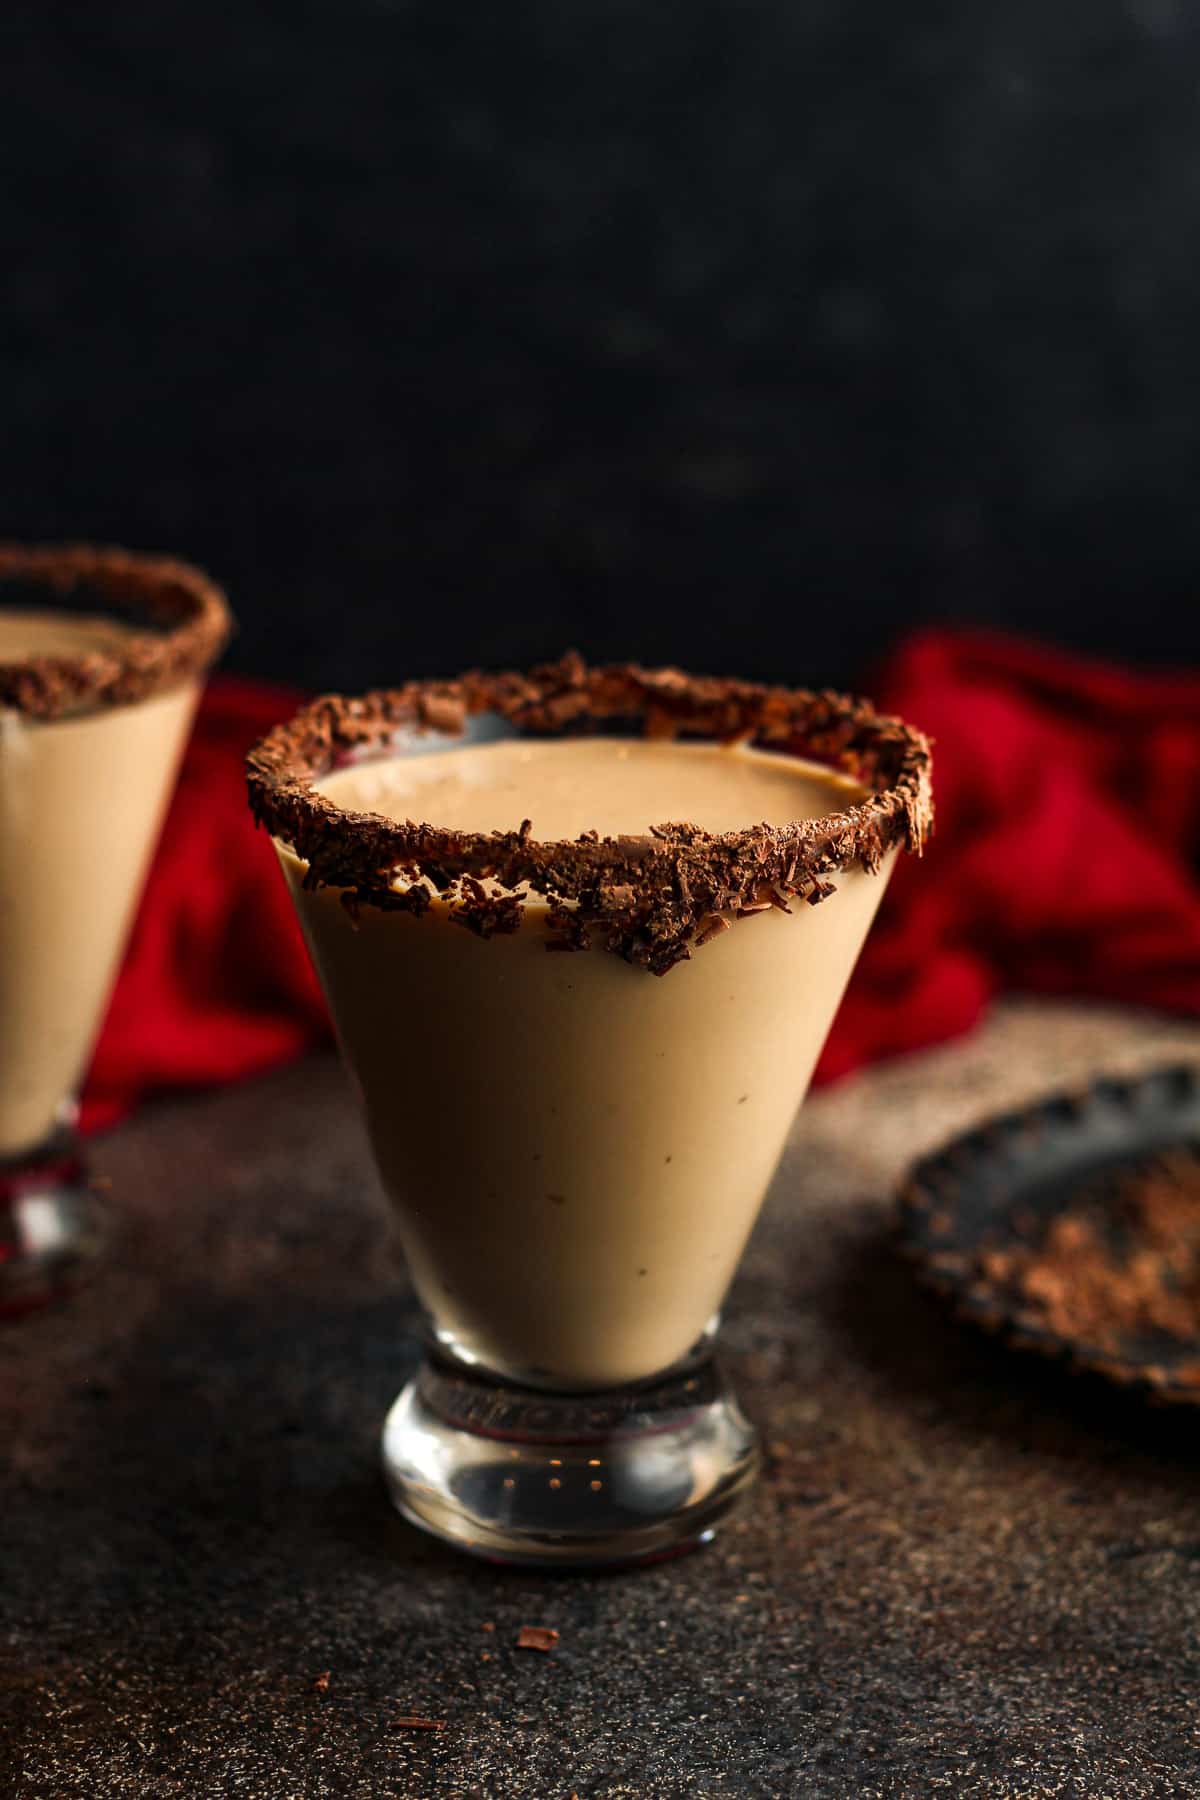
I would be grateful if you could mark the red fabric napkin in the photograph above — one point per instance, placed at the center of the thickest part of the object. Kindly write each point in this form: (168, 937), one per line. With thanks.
(216, 984)
(1065, 862)
(1066, 858)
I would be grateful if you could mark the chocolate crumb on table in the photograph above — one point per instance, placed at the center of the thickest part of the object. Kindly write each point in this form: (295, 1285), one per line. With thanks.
(537, 1637)
(321, 1684)
(415, 1722)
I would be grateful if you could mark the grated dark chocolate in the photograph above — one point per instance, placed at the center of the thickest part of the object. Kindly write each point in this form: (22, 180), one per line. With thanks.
(650, 899)
(187, 613)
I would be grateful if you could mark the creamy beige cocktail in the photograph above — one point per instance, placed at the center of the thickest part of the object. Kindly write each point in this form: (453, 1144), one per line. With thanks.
(577, 1150)
(102, 654)
(582, 932)
(81, 801)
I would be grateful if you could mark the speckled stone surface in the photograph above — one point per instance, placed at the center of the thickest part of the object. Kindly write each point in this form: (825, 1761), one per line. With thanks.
(964, 1573)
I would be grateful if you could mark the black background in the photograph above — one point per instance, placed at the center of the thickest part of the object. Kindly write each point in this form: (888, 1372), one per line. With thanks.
(736, 332)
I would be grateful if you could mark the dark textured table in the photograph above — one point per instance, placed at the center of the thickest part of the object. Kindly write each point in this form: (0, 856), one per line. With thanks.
(964, 1573)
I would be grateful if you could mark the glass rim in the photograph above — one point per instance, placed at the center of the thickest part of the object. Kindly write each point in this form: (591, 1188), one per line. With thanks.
(186, 614)
(653, 896)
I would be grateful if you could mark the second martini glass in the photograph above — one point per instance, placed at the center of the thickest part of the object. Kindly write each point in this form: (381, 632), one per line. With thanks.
(102, 657)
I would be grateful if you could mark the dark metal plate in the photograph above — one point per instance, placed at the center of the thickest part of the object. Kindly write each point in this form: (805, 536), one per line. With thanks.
(1002, 1184)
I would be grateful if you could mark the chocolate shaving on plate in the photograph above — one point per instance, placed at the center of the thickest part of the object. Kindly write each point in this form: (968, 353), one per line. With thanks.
(186, 616)
(537, 1637)
(649, 898)
(1105, 1272)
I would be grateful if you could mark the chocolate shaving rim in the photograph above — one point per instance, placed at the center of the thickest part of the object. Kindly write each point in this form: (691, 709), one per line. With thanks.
(648, 898)
(189, 610)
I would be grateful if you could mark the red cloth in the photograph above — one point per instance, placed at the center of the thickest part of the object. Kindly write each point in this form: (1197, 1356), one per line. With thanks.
(216, 984)
(1065, 862)
(1067, 851)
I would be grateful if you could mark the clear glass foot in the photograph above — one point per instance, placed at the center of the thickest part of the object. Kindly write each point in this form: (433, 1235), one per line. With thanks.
(53, 1230)
(546, 1480)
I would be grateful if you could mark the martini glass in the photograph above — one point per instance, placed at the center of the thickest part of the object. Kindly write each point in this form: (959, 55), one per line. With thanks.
(577, 1145)
(102, 656)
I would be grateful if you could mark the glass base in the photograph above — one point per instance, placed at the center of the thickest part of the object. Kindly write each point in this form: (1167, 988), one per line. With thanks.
(544, 1480)
(53, 1230)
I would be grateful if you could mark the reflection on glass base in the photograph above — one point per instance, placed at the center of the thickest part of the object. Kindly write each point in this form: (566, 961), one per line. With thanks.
(53, 1230)
(546, 1480)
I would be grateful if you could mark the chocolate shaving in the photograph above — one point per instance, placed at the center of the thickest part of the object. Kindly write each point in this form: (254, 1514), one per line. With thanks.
(537, 1637)
(321, 1684)
(710, 928)
(646, 898)
(188, 615)
(415, 1722)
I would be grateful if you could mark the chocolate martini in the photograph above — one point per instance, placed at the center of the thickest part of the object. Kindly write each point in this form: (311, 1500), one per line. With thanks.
(614, 1156)
(577, 1144)
(95, 709)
